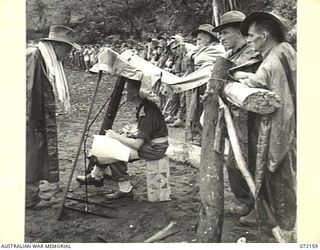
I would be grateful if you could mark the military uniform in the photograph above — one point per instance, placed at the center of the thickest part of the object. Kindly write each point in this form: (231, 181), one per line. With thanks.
(276, 150)
(42, 161)
(246, 125)
(205, 55)
(153, 130)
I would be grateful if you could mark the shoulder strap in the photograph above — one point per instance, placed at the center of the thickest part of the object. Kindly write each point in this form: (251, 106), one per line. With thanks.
(292, 85)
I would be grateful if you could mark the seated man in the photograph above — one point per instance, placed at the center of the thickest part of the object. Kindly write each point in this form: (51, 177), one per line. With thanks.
(151, 143)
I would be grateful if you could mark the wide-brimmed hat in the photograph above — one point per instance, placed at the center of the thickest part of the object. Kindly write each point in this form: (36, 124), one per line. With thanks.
(64, 34)
(230, 18)
(206, 28)
(175, 41)
(262, 15)
(162, 36)
(177, 38)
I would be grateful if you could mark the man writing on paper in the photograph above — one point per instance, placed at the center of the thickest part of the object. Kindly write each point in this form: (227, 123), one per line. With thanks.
(150, 143)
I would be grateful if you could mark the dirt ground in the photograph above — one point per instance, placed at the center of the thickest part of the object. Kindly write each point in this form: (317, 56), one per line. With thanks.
(133, 220)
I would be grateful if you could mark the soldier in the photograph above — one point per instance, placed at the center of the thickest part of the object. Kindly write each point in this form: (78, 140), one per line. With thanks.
(238, 51)
(277, 72)
(150, 143)
(208, 48)
(45, 83)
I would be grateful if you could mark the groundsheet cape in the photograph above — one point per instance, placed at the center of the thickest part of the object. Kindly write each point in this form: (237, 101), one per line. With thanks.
(131, 66)
(154, 80)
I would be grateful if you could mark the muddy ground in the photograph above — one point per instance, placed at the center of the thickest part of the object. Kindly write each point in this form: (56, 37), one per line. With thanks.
(134, 220)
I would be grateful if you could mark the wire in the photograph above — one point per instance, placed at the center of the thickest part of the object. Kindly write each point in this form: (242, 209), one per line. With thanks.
(94, 119)
(88, 129)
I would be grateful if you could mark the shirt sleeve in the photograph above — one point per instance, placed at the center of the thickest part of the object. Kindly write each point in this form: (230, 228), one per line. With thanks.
(208, 54)
(145, 127)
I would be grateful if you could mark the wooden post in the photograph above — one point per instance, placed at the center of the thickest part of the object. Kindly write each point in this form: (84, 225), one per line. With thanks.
(111, 113)
(188, 136)
(211, 163)
(211, 177)
(219, 7)
(113, 105)
(217, 11)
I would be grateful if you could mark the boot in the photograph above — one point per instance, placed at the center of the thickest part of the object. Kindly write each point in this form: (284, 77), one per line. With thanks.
(119, 195)
(177, 124)
(89, 180)
(241, 209)
(43, 204)
(249, 220)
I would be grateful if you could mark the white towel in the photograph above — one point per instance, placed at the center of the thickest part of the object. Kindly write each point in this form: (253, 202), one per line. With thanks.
(55, 73)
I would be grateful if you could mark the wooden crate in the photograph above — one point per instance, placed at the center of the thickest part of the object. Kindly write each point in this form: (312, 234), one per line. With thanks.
(158, 173)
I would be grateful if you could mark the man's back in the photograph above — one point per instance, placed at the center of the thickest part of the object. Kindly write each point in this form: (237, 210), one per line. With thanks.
(208, 54)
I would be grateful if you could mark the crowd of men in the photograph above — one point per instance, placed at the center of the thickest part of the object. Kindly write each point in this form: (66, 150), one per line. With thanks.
(256, 41)
(82, 59)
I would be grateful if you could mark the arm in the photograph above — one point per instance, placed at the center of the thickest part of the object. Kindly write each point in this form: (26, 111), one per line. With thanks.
(188, 50)
(208, 54)
(244, 77)
(249, 79)
(130, 142)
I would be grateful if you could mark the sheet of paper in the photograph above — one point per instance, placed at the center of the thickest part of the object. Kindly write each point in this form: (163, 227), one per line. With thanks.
(109, 150)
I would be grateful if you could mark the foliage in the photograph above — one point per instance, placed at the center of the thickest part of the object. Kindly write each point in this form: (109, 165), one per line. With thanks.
(95, 20)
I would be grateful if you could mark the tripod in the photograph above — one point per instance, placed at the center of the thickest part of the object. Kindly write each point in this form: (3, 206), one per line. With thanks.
(107, 124)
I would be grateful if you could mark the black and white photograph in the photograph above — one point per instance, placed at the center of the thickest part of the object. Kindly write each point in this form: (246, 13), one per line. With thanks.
(158, 121)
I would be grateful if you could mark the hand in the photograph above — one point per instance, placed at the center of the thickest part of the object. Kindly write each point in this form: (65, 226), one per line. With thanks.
(248, 82)
(112, 134)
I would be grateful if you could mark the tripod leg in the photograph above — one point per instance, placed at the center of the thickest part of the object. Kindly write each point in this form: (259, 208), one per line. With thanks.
(111, 111)
(79, 146)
